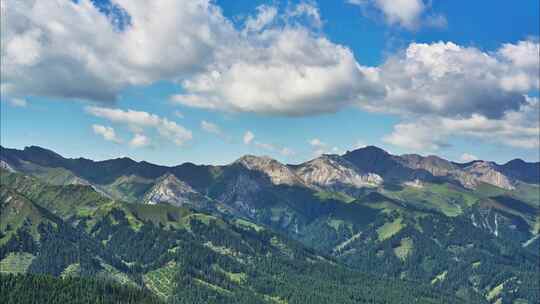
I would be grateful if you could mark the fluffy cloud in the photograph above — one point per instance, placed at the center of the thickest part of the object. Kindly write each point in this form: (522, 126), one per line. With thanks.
(282, 72)
(108, 133)
(404, 12)
(70, 49)
(443, 89)
(416, 136)
(450, 80)
(524, 58)
(466, 157)
(317, 143)
(139, 141)
(409, 14)
(517, 128)
(210, 127)
(287, 152)
(307, 10)
(284, 151)
(139, 120)
(248, 137)
(425, 79)
(275, 64)
(359, 144)
(178, 114)
(265, 15)
(17, 102)
(279, 67)
(319, 147)
(265, 146)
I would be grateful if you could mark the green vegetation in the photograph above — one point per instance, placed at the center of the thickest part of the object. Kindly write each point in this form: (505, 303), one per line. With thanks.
(30, 289)
(528, 193)
(16, 262)
(180, 256)
(495, 292)
(338, 196)
(128, 188)
(64, 200)
(247, 224)
(440, 277)
(161, 281)
(487, 190)
(438, 243)
(444, 198)
(389, 229)
(404, 249)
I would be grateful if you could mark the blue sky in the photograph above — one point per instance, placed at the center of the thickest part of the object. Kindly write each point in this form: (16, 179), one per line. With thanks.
(210, 82)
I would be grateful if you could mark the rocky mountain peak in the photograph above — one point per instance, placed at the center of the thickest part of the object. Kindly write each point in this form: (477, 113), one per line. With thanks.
(170, 179)
(170, 189)
(433, 164)
(488, 172)
(276, 171)
(4, 165)
(333, 170)
(253, 162)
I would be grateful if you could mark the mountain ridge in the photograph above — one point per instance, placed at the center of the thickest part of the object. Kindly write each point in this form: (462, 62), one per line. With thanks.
(40, 148)
(373, 211)
(372, 166)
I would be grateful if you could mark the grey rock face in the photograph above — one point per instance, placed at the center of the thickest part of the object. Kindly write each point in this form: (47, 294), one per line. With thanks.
(488, 173)
(278, 173)
(4, 165)
(332, 171)
(171, 190)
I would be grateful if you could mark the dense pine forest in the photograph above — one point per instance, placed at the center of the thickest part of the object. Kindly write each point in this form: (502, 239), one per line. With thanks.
(45, 289)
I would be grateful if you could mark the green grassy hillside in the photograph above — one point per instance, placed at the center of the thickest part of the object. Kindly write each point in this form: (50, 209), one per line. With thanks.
(177, 254)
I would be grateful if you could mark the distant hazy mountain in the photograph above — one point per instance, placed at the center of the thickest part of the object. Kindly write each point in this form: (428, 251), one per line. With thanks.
(471, 230)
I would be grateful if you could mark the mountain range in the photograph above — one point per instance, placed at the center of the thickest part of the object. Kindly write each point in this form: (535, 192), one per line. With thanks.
(447, 232)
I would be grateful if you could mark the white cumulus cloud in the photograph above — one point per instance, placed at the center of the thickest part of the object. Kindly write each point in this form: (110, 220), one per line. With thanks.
(444, 89)
(277, 62)
(248, 137)
(70, 49)
(210, 127)
(139, 141)
(282, 72)
(266, 14)
(319, 147)
(466, 157)
(450, 80)
(139, 120)
(409, 14)
(107, 133)
(517, 128)
(18, 102)
(317, 143)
